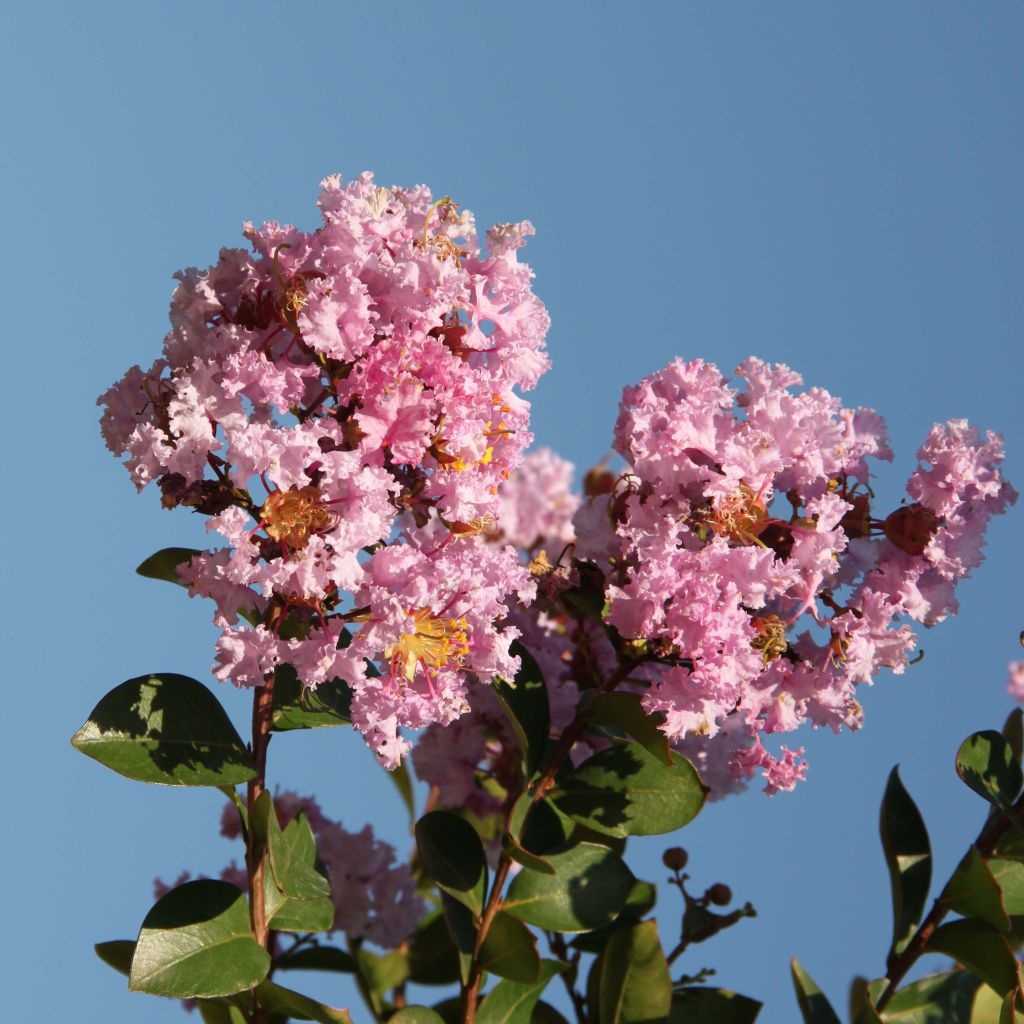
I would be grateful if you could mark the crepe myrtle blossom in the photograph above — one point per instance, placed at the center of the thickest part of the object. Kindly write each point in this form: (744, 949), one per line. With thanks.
(344, 404)
(746, 555)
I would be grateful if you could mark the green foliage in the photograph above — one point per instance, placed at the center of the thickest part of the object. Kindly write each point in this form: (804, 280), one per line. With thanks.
(196, 941)
(117, 954)
(526, 703)
(167, 729)
(625, 790)
(589, 887)
(274, 999)
(453, 856)
(317, 958)
(512, 1002)
(937, 999)
(416, 1015)
(695, 1005)
(635, 986)
(433, 958)
(302, 707)
(161, 565)
(987, 764)
(973, 892)
(980, 948)
(510, 950)
(814, 1007)
(622, 710)
(908, 856)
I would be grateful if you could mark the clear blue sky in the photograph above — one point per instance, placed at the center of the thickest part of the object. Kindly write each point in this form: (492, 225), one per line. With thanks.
(832, 186)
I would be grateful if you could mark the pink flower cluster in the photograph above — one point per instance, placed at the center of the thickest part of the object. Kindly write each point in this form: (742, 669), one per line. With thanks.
(746, 560)
(343, 405)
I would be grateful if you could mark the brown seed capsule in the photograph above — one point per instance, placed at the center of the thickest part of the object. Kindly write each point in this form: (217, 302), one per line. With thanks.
(720, 894)
(911, 527)
(675, 858)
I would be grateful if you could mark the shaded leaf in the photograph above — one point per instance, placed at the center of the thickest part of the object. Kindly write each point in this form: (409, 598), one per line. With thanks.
(588, 889)
(545, 1013)
(274, 998)
(401, 779)
(1009, 875)
(305, 707)
(318, 958)
(695, 1005)
(433, 958)
(526, 703)
(973, 892)
(521, 809)
(937, 999)
(462, 930)
(510, 950)
(908, 856)
(196, 942)
(640, 900)
(512, 1002)
(383, 972)
(980, 948)
(814, 1007)
(1013, 731)
(162, 564)
(625, 790)
(453, 856)
(635, 985)
(165, 729)
(117, 954)
(986, 764)
(623, 710)
(215, 1012)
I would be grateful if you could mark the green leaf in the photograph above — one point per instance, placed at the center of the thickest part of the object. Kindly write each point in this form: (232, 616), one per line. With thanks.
(162, 564)
(623, 710)
(318, 958)
(402, 781)
(981, 949)
(416, 1015)
(908, 856)
(453, 856)
(515, 848)
(305, 707)
(166, 729)
(588, 889)
(545, 1013)
(383, 972)
(512, 1002)
(937, 999)
(972, 891)
(641, 899)
(1009, 876)
(1013, 731)
(433, 958)
(462, 929)
(214, 1012)
(510, 950)
(117, 954)
(275, 999)
(625, 790)
(987, 764)
(695, 1005)
(635, 985)
(196, 942)
(814, 1007)
(526, 704)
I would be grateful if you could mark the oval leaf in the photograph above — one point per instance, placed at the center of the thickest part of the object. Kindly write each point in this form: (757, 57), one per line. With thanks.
(937, 999)
(623, 710)
(981, 949)
(453, 856)
(166, 729)
(163, 564)
(526, 703)
(908, 855)
(590, 886)
(196, 942)
(295, 1006)
(695, 1005)
(510, 950)
(117, 954)
(512, 1002)
(972, 891)
(987, 764)
(1009, 875)
(306, 707)
(625, 790)
(635, 985)
(416, 1015)
(814, 1007)
(433, 958)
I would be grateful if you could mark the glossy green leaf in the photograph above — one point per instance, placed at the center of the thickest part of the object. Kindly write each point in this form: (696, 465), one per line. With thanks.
(512, 1002)
(166, 729)
(696, 1005)
(937, 999)
(635, 985)
(453, 856)
(433, 958)
(318, 958)
(588, 889)
(908, 856)
(416, 1015)
(624, 710)
(625, 790)
(162, 564)
(526, 703)
(304, 707)
(196, 942)
(1009, 875)
(524, 811)
(972, 891)
(274, 998)
(639, 902)
(509, 950)
(980, 948)
(117, 954)
(987, 764)
(814, 1007)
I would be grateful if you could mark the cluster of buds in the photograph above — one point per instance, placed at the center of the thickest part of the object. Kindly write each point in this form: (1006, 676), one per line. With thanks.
(343, 405)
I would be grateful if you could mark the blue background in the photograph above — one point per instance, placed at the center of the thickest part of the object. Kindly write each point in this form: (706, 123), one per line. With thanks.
(832, 186)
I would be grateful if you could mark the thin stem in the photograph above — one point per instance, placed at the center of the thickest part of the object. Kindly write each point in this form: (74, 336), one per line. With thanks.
(570, 734)
(990, 834)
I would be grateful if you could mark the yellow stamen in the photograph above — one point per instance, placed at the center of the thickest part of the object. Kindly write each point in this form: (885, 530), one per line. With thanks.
(430, 641)
(293, 516)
